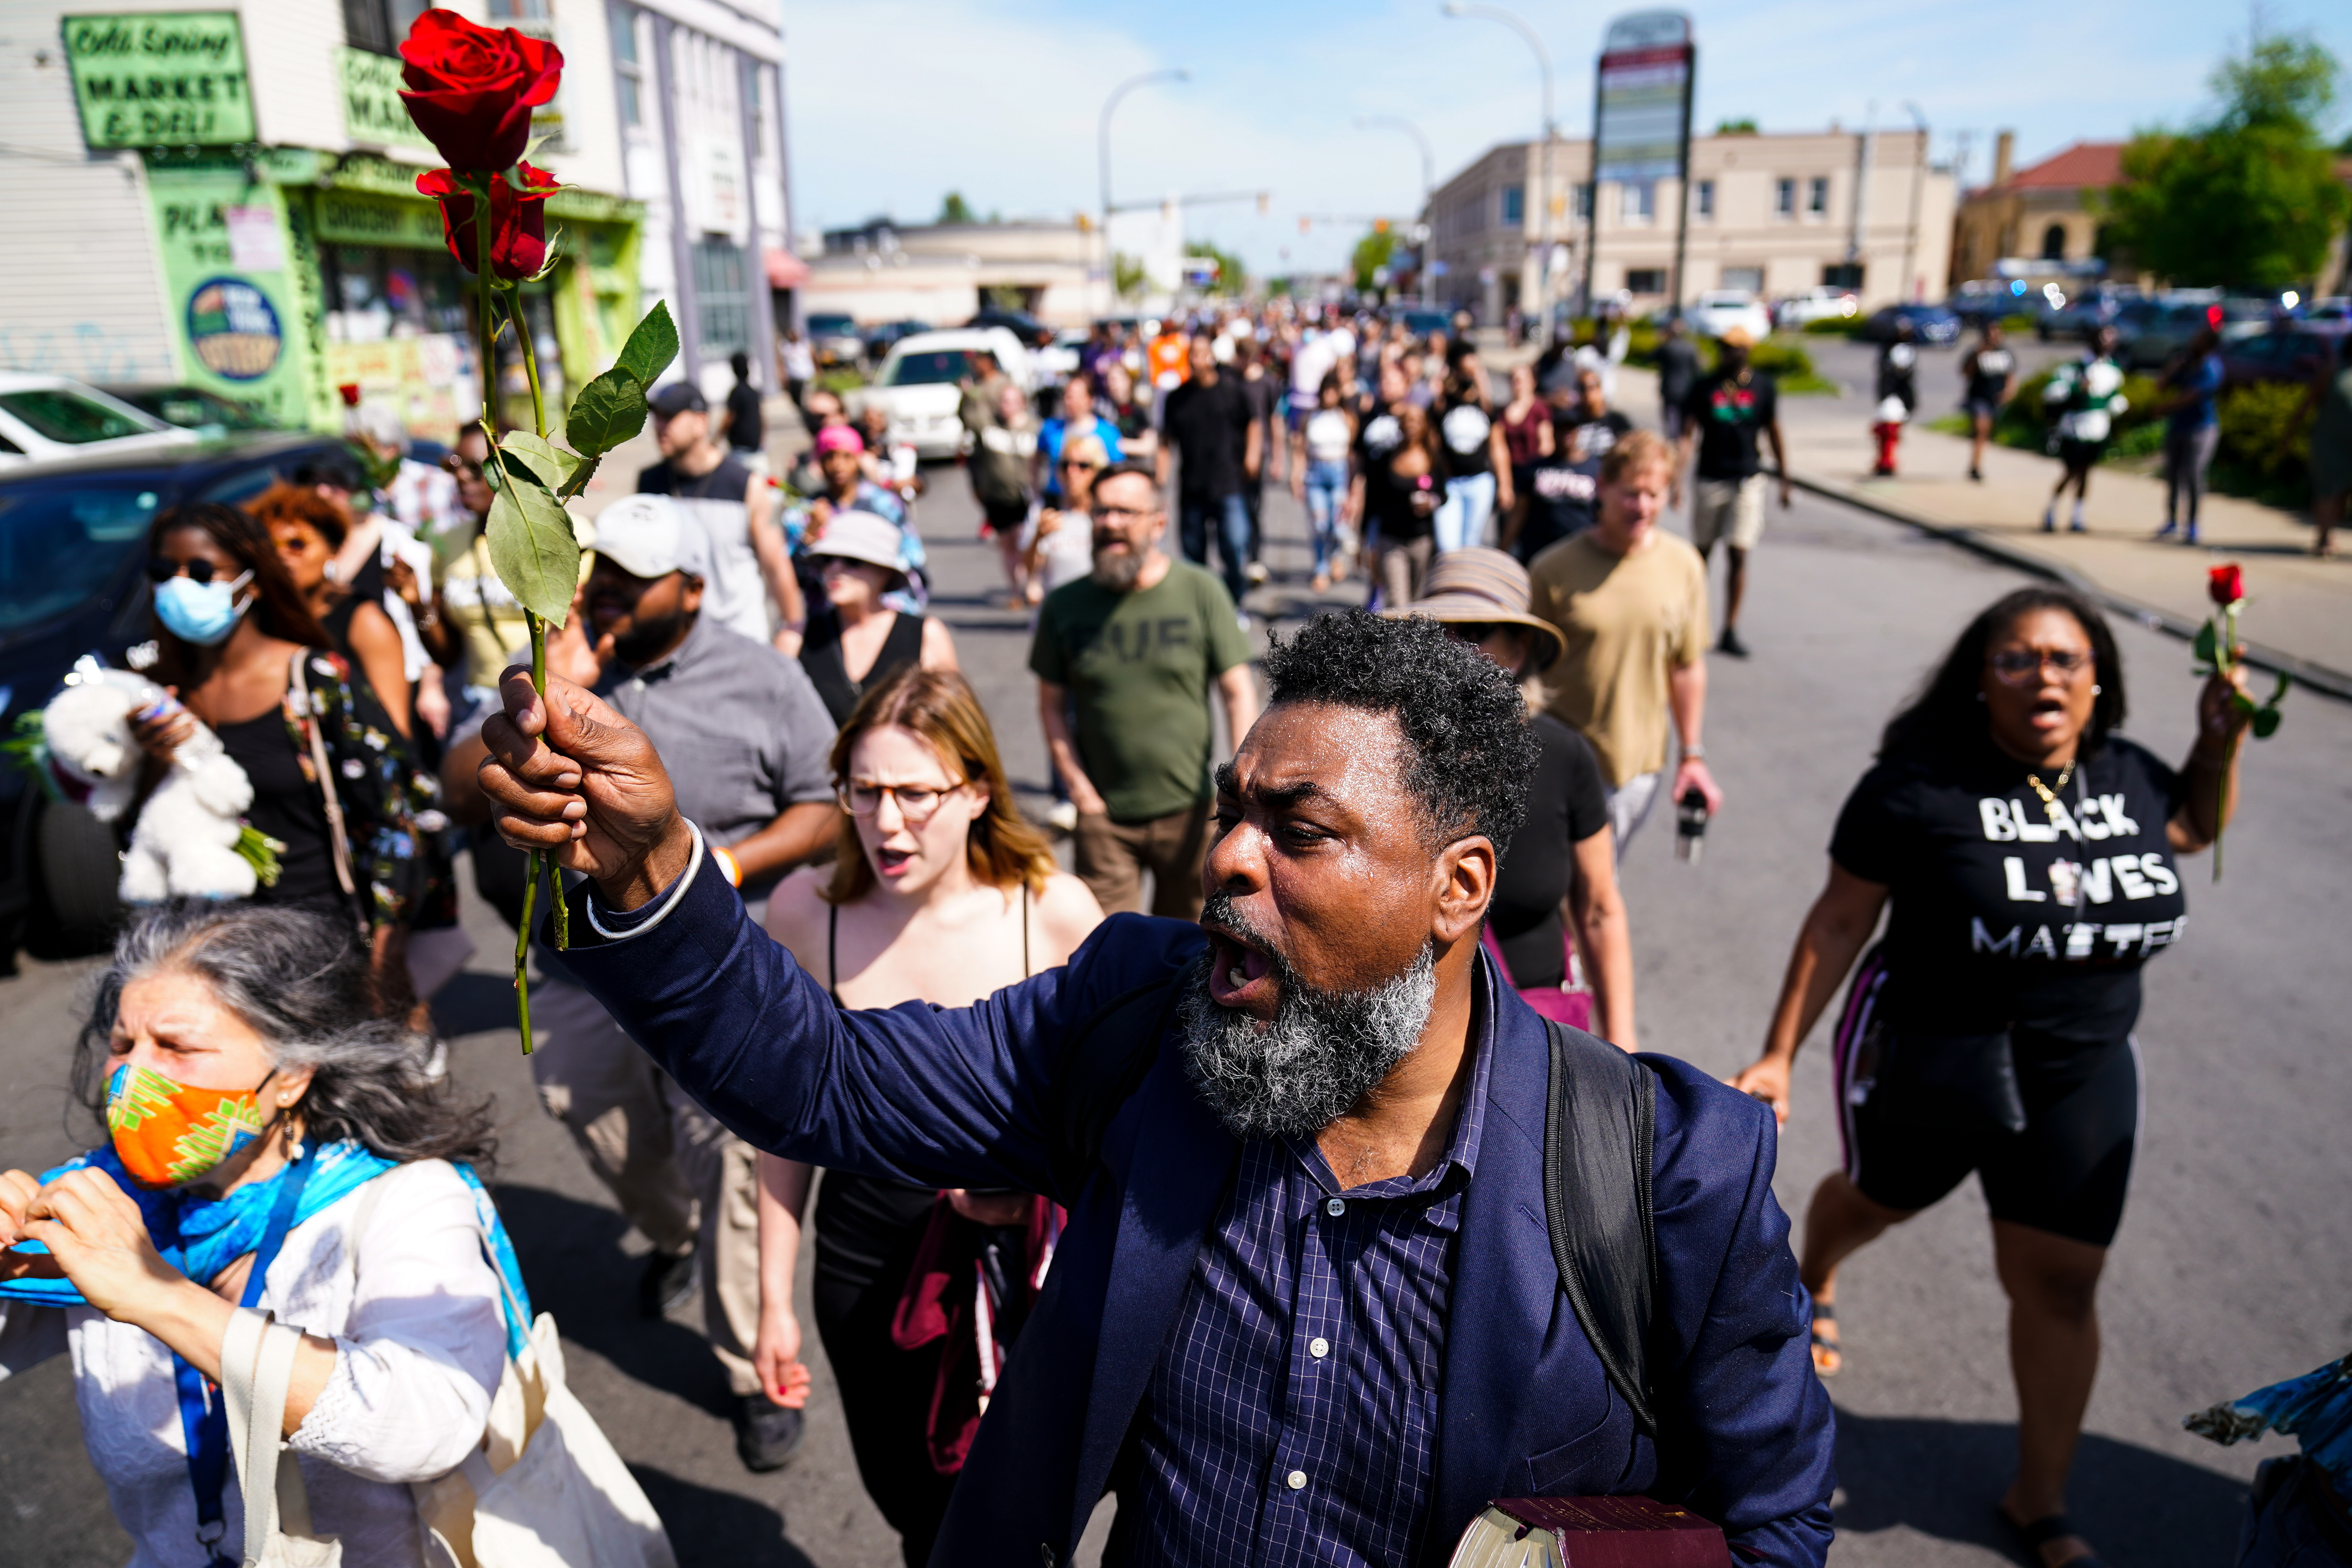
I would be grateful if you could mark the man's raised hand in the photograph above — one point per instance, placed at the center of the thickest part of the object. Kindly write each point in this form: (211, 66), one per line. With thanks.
(572, 777)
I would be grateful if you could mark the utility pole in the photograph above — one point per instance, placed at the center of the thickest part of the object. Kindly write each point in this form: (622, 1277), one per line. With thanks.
(1918, 184)
(1681, 184)
(1428, 184)
(1543, 64)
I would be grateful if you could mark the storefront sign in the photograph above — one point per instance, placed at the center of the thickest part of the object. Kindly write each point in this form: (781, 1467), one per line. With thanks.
(245, 331)
(363, 217)
(169, 78)
(373, 109)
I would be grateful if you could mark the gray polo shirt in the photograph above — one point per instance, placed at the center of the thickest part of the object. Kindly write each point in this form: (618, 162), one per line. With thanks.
(739, 728)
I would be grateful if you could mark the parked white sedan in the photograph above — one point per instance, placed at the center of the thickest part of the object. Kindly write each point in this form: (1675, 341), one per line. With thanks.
(919, 384)
(44, 416)
(1717, 310)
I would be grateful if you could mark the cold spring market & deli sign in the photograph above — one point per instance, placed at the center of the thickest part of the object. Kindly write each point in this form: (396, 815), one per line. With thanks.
(166, 78)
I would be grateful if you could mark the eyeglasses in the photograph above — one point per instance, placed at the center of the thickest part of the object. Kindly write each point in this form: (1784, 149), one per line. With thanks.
(1119, 516)
(1080, 465)
(917, 802)
(2017, 665)
(161, 570)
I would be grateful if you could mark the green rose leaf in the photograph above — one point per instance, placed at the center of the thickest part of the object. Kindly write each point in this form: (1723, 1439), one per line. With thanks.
(650, 347)
(609, 410)
(2208, 644)
(2266, 724)
(2278, 693)
(544, 460)
(2242, 703)
(532, 548)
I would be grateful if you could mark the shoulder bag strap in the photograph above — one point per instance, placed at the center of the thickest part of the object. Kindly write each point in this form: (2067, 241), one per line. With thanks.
(256, 1367)
(1597, 1204)
(299, 691)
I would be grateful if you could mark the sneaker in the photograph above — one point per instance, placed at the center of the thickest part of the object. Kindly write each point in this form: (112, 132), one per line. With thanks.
(1257, 573)
(2077, 525)
(666, 1284)
(1063, 815)
(2049, 523)
(1976, 475)
(1729, 643)
(766, 1433)
(2167, 530)
(2189, 539)
(1322, 582)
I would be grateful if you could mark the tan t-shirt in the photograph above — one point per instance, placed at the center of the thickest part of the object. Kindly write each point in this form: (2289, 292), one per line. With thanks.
(1630, 621)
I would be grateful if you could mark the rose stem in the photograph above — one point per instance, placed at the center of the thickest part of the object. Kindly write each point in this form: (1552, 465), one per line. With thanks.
(480, 184)
(2228, 747)
(562, 916)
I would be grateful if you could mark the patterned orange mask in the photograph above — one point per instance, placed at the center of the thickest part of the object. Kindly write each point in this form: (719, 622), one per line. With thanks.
(166, 1132)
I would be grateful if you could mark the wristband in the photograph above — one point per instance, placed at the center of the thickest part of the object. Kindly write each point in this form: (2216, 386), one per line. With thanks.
(1693, 754)
(728, 864)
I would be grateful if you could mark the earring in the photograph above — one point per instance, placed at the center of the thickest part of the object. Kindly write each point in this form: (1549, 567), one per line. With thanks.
(2097, 690)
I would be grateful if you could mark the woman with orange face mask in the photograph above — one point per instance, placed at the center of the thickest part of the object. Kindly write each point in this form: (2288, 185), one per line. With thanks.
(273, 1146)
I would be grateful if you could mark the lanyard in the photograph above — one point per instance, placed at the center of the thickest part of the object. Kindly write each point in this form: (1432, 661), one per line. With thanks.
(204, 1418)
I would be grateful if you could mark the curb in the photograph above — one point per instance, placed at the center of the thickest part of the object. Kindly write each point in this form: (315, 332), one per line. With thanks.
(2318, 678)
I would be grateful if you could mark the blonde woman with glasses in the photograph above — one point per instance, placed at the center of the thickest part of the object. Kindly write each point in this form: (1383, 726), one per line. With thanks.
(941, 893)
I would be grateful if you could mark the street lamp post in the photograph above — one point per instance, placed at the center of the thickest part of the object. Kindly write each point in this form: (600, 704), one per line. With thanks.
(1543, 64)
(1102, 148)
(1428, 185)
(1918, 181)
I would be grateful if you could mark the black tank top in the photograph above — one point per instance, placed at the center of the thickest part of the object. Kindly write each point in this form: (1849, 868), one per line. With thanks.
(861, 1222)
(829, 673)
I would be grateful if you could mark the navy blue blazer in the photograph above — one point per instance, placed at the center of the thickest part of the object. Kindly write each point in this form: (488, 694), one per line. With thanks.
(961, 1097)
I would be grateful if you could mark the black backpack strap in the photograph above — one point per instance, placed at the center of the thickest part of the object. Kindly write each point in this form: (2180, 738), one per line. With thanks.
(1103, 1064)
(1597, 1136)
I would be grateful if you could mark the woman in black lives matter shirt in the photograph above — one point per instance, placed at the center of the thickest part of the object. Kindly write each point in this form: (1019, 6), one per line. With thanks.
(2027, 853)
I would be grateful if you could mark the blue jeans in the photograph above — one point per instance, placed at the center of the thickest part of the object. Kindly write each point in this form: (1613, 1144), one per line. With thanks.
(1326, 490)
(1463, 515)
(1232, 521)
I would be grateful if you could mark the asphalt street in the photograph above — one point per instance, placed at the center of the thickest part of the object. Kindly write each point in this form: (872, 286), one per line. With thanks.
(2234, 1268)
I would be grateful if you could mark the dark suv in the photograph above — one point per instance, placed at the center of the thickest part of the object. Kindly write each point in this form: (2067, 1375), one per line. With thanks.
(73, 583)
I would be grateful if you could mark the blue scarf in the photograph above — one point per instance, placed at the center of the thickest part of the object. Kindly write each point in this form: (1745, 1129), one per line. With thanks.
(200, 1236)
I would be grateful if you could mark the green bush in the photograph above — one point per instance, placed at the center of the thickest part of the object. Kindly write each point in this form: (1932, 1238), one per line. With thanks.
(1838, 326)
(2019, 323)
(2260, 434)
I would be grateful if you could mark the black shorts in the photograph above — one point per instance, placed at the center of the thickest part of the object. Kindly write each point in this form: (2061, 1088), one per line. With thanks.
(2080, 457)
(1982, 409)
(2066, 1172)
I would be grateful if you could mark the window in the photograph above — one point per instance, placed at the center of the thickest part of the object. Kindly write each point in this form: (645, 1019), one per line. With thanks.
(722, 299)
(379, 24)
(1706, 198)
(1637, 203)
(1514, 205)
(1645, 280)
(1841, 275)
(2053, 243)
(1784, 198)
(1817, 199)
(518, 10)
(628, 71)
(1584, 201)
(1745, 280)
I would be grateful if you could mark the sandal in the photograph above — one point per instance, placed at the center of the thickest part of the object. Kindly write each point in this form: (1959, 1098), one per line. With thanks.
(2047, 1529)
(1828, 1355)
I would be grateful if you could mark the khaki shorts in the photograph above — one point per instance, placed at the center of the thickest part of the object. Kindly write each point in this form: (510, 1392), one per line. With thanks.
(1729, 509)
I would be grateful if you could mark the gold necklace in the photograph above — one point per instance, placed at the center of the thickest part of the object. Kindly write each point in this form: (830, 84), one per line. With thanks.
(2050, 806)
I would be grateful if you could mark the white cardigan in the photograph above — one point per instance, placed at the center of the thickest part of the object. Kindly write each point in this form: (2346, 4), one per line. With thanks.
(420, 1341)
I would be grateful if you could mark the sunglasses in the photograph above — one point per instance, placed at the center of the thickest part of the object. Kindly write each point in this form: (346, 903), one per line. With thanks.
(161, 570)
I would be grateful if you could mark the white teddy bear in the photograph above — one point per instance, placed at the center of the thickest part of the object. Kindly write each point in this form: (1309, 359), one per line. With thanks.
(185, 845)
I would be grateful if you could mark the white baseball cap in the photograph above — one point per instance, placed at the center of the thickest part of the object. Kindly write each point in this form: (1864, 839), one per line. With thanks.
(653, 536)
(853, 534)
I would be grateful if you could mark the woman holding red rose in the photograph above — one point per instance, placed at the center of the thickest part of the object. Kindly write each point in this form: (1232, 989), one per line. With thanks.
(2027, 857)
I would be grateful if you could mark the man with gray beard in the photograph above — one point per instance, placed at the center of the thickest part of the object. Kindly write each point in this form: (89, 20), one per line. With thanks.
(1306, 1306)
(1125, 662)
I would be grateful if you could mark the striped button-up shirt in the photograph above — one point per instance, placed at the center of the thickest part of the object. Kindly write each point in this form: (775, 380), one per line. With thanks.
(1293, 1415)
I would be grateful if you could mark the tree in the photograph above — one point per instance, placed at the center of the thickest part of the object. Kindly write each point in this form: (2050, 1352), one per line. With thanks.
(2249, 200)
(1232, 275)
(953, 208)
(1127, 275)
(1371, 253)
(1744, 127)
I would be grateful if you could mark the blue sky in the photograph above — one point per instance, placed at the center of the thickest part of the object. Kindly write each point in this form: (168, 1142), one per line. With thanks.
(893, 102)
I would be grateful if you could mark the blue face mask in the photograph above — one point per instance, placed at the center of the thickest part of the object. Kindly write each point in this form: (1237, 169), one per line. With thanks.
(201, 613)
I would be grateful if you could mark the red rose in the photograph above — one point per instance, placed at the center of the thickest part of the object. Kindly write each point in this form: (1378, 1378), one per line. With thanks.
(518, 220)
(471, 89)
(2227, 585)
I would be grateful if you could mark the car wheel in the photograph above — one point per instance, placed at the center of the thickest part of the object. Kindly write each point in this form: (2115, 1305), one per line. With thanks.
(77, 910)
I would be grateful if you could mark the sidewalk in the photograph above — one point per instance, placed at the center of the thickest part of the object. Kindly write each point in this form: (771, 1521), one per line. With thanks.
(2301, 607)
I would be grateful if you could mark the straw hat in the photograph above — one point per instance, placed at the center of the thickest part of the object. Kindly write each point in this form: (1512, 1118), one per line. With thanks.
(853, 534)
(1483, 587)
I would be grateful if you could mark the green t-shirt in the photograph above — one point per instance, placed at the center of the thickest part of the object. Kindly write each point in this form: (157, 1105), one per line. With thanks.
(1138, 666)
